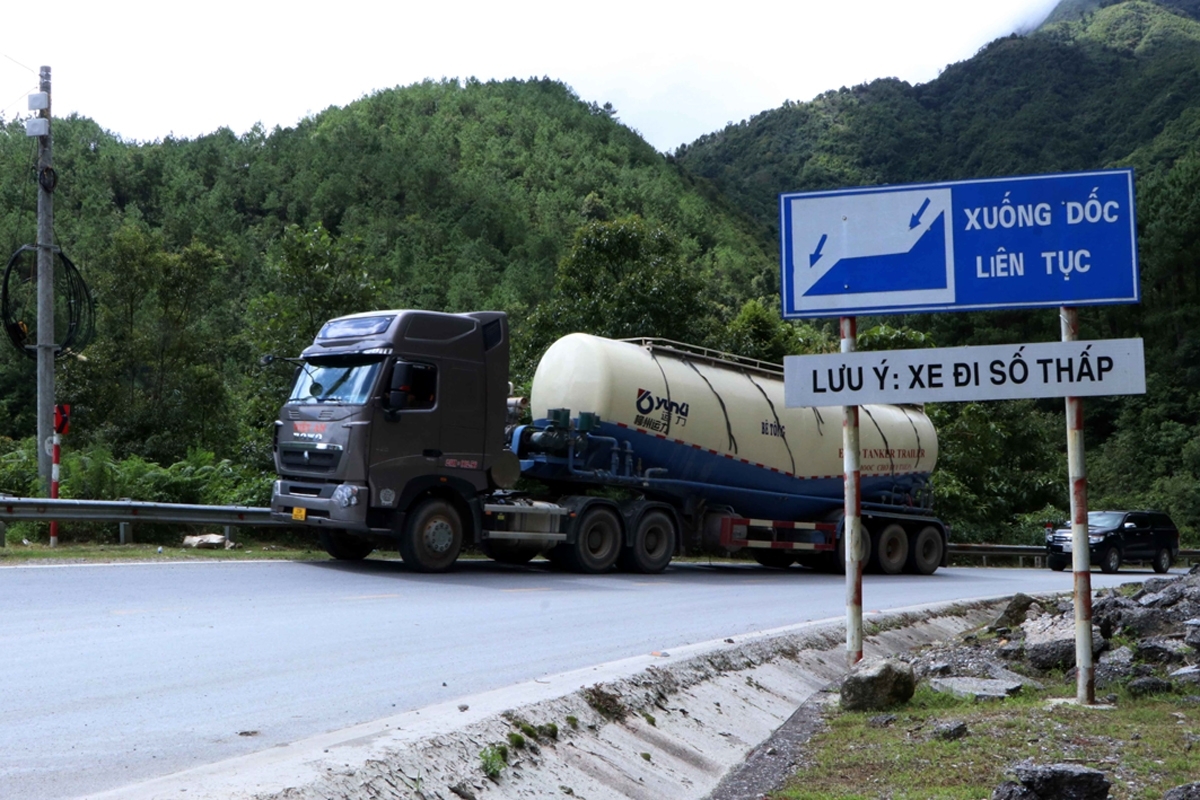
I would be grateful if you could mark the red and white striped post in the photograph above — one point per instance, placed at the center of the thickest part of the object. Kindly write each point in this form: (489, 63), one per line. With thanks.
(852, 525)
(62, 422)
(55, 453)
(1081, 566)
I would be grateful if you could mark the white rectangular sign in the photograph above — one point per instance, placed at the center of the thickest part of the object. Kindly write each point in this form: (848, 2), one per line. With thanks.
(958, 374)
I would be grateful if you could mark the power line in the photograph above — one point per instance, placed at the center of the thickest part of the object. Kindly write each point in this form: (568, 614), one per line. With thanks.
(19, 64)
(20, 97)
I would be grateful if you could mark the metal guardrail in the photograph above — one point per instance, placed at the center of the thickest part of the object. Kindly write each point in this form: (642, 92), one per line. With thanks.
(40, 508)
(1021, 552)
(126, 511)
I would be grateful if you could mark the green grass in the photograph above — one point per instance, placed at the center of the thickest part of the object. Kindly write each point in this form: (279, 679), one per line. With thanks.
(1155, 743)
(40, 553)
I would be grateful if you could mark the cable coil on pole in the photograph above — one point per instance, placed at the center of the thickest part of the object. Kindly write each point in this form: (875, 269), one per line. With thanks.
(75, 320)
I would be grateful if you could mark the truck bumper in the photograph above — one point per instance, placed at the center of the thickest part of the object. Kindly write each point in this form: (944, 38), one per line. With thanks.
(332, 505)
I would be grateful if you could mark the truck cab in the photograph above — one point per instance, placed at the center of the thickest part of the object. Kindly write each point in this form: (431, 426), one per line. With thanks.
(393, 429)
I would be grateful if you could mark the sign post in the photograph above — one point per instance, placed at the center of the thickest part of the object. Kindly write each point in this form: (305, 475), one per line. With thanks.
(852, 516)
(1085, 673)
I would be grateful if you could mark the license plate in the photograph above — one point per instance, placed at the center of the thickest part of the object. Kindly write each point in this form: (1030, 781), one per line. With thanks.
(1066, 545)
(299, 513)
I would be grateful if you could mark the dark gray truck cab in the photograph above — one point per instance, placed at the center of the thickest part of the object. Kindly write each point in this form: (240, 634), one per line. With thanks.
(396, 421)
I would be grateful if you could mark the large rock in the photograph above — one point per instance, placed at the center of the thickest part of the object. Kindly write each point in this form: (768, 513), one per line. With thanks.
(1014, 613)
(1062, 781)
(1148, 685)
(1191, 636)
(1189, 791)
(1161, 650)
(1011, 790)
(878, 684)
(1050, 641)
(1190, 674)
(1114, 667)
(1115, 614)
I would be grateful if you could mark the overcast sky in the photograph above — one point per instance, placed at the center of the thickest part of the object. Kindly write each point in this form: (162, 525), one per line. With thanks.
(674, 71)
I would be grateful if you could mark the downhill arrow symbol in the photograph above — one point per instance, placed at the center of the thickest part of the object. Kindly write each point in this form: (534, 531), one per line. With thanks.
(915, 219)
(816, 254)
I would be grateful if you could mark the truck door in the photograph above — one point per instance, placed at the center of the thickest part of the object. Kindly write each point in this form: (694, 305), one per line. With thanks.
(406, 439)
(463, 415)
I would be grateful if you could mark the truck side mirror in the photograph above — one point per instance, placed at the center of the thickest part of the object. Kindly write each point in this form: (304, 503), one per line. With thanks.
(401, 386)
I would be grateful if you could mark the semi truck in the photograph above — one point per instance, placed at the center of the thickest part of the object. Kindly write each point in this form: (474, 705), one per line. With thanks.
(400, 432)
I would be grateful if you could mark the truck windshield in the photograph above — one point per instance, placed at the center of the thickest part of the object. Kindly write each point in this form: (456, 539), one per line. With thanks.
(346, 380)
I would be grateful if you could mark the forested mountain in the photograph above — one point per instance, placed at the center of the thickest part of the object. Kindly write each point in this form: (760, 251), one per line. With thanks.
(518, 195)
(204, 253)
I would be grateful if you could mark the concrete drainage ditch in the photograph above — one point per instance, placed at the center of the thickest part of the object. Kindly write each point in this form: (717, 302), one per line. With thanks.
(666, 726)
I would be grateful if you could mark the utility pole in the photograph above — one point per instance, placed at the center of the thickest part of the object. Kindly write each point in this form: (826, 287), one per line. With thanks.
(45, 291)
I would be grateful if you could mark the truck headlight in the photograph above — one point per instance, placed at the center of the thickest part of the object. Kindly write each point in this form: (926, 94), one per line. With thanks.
(345, 495)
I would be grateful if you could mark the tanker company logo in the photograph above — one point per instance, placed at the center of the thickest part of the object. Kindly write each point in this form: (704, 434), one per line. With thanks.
(657, 413)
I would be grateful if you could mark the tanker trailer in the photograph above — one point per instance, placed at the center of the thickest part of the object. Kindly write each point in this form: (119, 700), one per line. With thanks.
(399, 432)
(708, 435)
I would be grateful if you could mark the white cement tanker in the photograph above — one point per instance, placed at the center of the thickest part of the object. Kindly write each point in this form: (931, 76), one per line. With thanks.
(715, 418)
(641, 449)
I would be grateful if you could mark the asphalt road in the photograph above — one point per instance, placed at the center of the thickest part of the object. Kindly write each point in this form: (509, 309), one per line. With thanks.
(117, 673)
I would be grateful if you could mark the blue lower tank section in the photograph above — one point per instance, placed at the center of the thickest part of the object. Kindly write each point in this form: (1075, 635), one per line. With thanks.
(682, 471)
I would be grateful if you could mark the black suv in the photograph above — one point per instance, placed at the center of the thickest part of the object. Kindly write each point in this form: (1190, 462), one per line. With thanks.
(1115, 537)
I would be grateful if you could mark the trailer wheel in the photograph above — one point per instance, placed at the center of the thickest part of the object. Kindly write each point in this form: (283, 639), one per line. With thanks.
(890, 549)
(653, 544)
(345, 547)
(925, 551)
(597, 541)
(433, 538)
(775, 559)
(835, 562)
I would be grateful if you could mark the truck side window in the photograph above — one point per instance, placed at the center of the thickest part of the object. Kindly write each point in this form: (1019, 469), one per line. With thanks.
(424, 387)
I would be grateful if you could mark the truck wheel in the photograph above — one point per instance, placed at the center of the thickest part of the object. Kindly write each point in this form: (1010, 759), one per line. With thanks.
(597, 541)
(507, 551)
(1110, 560)
(1162, 560)
(344, 547)
(653, 544)
(1056, 563)
(889, 549)
(925, 552)
(433, 537)
(775, 559)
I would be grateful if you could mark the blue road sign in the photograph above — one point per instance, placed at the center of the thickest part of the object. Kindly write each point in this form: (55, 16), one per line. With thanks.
(1017, 242)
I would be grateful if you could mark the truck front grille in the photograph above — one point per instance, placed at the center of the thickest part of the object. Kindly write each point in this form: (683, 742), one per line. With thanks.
(310, 459)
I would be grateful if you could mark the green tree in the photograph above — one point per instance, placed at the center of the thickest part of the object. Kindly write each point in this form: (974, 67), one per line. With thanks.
(313, 277)
(152, 384)
(757, 332)
(620, 279)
